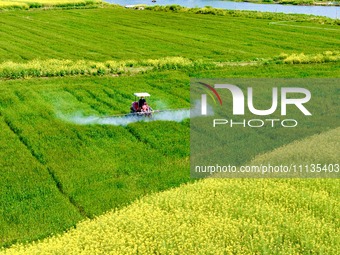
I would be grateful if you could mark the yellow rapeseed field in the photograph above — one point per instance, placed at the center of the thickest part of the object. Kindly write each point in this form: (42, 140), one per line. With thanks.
(219, 216)
(301, 58)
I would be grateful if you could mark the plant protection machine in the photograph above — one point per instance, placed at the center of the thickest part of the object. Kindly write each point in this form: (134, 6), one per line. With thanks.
(140, 108)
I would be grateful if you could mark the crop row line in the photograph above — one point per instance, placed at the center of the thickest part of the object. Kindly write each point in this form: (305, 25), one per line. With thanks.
(40, 158)
(111, 92)
(139, 138)
(82, 100)
(99, 100)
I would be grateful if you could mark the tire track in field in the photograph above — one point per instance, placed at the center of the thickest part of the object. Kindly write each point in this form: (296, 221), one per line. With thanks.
(81, 100)
(168, 90)
(99, 100)
(147, 87)
(283, 23)
(139, 138)
(109, 107)
(39, 157)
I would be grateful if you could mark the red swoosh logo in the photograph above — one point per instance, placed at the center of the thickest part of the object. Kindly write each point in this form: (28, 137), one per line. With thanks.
(213, 90)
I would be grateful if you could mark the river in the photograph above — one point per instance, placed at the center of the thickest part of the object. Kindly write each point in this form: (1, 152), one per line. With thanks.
(327, 11)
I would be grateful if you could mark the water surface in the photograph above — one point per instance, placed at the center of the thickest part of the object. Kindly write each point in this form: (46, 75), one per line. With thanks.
(327, 11)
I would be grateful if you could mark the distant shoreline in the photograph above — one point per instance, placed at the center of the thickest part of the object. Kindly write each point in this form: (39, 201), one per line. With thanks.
(289, 2)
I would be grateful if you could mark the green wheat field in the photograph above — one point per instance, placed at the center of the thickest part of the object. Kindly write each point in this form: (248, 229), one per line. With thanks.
(68, 187)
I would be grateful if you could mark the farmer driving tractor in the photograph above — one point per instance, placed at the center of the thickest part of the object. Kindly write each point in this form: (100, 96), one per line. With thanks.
(141, 102)
(141, 107)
